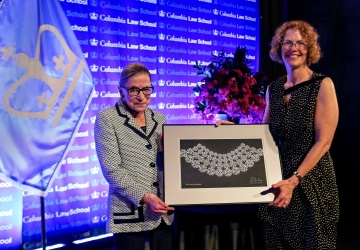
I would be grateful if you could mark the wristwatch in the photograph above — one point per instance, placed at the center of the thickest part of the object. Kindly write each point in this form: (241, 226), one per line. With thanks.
(298, 176)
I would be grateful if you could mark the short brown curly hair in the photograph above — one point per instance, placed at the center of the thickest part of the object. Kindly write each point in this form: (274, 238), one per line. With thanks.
(310, 36)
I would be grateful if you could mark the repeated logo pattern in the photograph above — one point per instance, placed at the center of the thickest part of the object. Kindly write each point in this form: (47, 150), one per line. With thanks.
(168, 37)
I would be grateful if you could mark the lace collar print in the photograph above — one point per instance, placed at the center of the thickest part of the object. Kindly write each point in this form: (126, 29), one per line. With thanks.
(212, 163)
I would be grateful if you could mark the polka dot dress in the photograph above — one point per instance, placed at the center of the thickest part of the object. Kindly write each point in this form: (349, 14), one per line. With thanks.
(309, 221)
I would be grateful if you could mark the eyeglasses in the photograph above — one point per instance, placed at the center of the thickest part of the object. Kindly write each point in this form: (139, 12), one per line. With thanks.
(136, 91)
(288, 44)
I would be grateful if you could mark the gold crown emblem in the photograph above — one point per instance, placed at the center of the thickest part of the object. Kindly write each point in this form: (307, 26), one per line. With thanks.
(37, 71)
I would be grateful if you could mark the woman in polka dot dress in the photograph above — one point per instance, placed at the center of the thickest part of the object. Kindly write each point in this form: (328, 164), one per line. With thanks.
(302, 112)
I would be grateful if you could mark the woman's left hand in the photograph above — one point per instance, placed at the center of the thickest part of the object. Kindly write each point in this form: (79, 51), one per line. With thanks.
(286, 188)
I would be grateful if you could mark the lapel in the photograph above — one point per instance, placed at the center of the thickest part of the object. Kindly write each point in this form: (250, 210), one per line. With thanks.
(151, 123)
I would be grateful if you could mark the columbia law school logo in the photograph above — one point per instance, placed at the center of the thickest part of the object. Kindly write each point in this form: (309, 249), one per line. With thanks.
(94, 170)
(95, 219)
(94, 106)
(95, 183)
(95, 207)
(94, 68)
(161, 105)
(94, 29)
(95, 195)
(161, 36)
(161, 82)
(161, 59)
(94, 3)
(94, 55)
(161, 71)
(162, 13)
(94, 16)
(94, 42)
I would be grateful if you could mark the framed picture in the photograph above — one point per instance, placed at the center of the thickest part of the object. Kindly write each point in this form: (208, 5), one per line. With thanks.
(204, 164)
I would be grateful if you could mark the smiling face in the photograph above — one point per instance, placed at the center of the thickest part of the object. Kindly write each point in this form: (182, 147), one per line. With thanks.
(139, 102)
(294, 56)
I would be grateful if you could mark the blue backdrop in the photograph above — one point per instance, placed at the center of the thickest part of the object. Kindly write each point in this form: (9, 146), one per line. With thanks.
(168, 37)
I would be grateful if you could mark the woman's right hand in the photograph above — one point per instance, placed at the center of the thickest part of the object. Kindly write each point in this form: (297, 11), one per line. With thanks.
(156, 204)
(225, 122)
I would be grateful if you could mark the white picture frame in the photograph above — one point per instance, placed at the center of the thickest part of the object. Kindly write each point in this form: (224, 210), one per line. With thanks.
(229, 164)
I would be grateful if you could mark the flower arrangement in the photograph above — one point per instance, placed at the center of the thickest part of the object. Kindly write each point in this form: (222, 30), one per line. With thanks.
(230, 88)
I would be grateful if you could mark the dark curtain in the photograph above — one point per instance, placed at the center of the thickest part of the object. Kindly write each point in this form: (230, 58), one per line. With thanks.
(272, 13)
(337, 22)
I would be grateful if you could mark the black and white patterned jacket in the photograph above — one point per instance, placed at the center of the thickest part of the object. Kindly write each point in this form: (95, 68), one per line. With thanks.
(131, 165)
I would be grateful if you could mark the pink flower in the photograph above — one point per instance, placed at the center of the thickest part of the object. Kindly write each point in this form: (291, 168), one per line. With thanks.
(230, 90)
